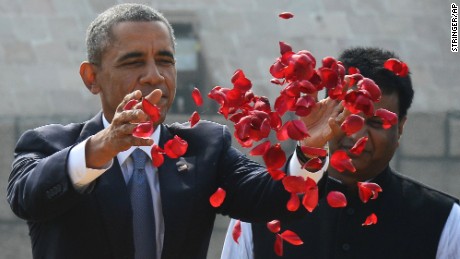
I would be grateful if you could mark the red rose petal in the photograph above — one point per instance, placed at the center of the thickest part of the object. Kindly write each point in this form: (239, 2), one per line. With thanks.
(274, 226)
(175, 147)
(304, 105)
(276, 174)
(240, 81)
(336, 199)
(129, 105)
(396, 66)
(404, 70)
(342, 162)
(388, 118)
(294, 202)
(275, 120)
(368, 190)
(310, 199)
(152, 110)
(284, 103)
(352, 124)
(217, 198)
(286, 15)
(236, 232)
(294, 184)
(313, 164)
(196, 95)
(329, 77)
(370, 220)
(291, 237)
(313, 151)
(296, 130)
(143, 130)
(275, 157)
(353, 70)
(157, 156)
(194, 119)
(371, 87)
(357, 101)
(359, 146)
(284, 47)
(278, 245)
(260, 149)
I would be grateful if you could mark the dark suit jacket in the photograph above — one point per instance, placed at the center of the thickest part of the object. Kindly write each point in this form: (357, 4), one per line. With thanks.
(411, 218)
(66, 224)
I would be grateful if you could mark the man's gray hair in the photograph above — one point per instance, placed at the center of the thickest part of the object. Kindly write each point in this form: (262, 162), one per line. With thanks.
(99, 34)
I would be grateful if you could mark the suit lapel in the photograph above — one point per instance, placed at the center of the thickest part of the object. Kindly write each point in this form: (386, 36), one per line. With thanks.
(177, 183)
(112, 196)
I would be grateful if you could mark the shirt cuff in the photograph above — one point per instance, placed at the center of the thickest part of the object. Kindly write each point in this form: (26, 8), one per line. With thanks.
(295, 168)
(79, 174)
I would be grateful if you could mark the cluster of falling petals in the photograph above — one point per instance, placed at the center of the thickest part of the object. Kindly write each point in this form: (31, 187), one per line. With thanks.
(299, 79)
(173, 148)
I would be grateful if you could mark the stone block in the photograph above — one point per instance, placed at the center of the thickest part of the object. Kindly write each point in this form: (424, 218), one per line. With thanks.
(364, 24)
(71, 8)
(59, 28)
(98, 6)
(31, 29)
(6, 32)
(424, 135)
(423, 79)
(454, 138)
(440, 174)
(7, 144)
(54, 53)
(38, 7)
(14, 241)
(8, 101)
(447, 84)
(19, 53)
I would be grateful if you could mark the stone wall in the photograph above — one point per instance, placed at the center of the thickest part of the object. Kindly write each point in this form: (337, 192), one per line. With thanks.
(42, 45)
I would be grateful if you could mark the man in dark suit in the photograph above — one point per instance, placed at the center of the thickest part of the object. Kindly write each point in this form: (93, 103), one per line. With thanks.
(72, 183)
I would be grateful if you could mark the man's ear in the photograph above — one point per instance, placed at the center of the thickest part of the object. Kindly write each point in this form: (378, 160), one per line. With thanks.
(88, 75)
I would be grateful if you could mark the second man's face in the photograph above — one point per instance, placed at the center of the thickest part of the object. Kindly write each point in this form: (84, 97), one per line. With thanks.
(141, 57)
(380, 147)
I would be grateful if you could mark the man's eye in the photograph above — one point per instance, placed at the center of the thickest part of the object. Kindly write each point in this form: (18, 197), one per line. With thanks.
(166, 62)
(133, 63)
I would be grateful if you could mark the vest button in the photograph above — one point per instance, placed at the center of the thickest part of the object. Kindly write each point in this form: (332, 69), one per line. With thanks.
(346, 247)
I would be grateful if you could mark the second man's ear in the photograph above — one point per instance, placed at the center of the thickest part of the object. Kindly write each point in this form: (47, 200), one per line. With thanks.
(88, 75)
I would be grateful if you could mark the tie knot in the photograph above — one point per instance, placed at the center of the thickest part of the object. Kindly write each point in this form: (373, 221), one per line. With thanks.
(139, 158)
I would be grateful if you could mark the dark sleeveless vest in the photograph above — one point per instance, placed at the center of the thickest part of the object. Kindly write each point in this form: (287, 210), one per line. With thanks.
(411, 217)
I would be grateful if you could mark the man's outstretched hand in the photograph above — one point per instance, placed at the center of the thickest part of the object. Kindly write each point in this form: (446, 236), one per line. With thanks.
(324, 122)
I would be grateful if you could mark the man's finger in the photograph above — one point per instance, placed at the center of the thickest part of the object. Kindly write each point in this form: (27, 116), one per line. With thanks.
(136, 95)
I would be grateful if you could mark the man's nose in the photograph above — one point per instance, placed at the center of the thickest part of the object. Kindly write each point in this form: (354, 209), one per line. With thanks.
(152, 75)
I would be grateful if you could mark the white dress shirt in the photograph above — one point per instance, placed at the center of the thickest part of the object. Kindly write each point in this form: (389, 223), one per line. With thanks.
(82, 177)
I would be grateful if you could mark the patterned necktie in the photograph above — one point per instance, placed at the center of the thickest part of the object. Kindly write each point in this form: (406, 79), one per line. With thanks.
(142, 205)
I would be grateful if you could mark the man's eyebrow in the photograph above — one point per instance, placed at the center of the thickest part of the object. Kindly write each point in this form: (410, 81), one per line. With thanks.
(166, 53)
(130, 55)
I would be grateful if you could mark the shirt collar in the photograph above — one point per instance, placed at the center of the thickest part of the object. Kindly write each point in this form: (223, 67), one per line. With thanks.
(122, 156)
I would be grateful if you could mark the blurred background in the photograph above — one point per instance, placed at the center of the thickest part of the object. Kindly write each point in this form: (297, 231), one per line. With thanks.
(42, 43)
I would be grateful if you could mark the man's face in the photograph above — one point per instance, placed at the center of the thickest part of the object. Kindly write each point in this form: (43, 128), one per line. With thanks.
(380, 147)
(141, 57)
